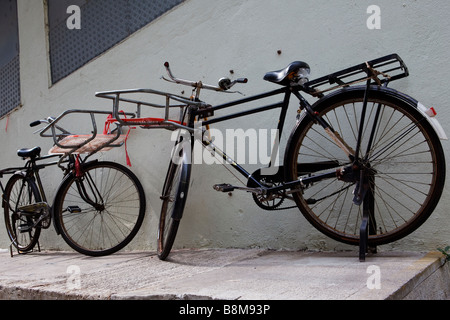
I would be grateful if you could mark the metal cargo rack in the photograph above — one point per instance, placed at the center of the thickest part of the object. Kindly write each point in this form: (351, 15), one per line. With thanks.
(171, 101)
(381, 71)
(67, 143)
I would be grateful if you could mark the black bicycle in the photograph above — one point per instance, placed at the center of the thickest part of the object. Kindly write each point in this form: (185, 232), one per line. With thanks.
(98, 207)
(364, 164)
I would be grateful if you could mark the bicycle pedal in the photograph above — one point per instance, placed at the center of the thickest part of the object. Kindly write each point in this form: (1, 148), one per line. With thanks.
(225, 187)
(74, 209)
(24, 228)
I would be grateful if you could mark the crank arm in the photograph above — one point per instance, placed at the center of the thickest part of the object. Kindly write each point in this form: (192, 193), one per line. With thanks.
(230, 188)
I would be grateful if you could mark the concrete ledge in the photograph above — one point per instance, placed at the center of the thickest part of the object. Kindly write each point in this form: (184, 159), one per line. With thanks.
(431, 282)
(233, 274)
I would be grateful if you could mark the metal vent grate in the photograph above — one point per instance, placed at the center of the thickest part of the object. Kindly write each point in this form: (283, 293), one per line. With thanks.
(104, 23)
(9, 57)
(9, 86)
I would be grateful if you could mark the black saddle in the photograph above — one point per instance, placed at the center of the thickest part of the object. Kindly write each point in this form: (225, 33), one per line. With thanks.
(29, 153)
(289, 75)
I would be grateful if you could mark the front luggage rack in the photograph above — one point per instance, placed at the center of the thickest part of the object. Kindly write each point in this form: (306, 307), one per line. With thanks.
(381, 71)
(171, 101)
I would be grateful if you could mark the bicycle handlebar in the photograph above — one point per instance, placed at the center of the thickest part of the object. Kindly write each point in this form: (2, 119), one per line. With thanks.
(224, 83)
(35, 123)
(48, 120)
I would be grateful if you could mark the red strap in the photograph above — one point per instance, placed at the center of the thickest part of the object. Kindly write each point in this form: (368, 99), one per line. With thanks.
(78, 172)
(126, 149)
(107, 124)
(106, 130)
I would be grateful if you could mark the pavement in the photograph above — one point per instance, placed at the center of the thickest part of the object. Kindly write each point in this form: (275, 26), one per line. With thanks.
(225, 274)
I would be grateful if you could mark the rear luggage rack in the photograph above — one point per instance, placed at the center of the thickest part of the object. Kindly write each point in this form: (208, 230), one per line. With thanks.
(381, 70)
(67, 143)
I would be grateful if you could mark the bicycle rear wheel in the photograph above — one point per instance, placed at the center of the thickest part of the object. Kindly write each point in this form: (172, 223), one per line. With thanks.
(405, 166)
(174, 197)
(100, 212)
(19, 192)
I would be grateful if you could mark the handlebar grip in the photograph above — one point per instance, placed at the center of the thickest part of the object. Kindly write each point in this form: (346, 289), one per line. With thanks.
(35, 123)
(242, 80)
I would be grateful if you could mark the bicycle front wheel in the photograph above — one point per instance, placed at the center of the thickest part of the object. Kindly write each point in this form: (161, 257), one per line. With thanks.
(400, 151)
(21, 191)
(100, 212)
(174, 197)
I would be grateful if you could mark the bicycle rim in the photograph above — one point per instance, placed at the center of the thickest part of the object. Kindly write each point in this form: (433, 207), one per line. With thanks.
(406, 161)
(101, 212)
(20, 192)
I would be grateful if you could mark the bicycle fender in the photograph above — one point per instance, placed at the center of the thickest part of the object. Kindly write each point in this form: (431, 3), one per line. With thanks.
(184, 185)
(20, 173)
(428, 113)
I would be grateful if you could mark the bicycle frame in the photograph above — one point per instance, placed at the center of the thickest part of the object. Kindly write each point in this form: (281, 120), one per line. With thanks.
(283, 105)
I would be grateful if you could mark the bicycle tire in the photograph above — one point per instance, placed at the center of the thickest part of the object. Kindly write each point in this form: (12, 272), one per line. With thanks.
(21, 191)
(406, 184)
(106, 225)
(174, 195)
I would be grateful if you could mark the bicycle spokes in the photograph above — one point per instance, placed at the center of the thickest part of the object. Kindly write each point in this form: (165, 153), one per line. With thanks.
(100, 212)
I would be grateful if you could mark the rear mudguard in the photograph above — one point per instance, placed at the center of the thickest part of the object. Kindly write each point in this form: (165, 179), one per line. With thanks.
(396, 94)
(422, 109)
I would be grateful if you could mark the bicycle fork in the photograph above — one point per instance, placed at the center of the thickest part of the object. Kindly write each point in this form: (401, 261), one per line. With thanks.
(93, 198)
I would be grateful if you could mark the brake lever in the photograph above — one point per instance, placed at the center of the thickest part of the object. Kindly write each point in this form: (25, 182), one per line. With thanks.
(227, 84)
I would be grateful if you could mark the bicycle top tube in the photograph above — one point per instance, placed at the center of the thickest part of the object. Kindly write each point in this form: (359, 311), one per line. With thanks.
(14, 170)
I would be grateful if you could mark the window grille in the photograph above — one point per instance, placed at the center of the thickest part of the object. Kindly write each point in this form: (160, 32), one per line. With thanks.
(9, 57)
(103, 24)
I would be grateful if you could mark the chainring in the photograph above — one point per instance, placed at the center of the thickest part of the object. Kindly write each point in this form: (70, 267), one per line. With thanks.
(270, 201)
